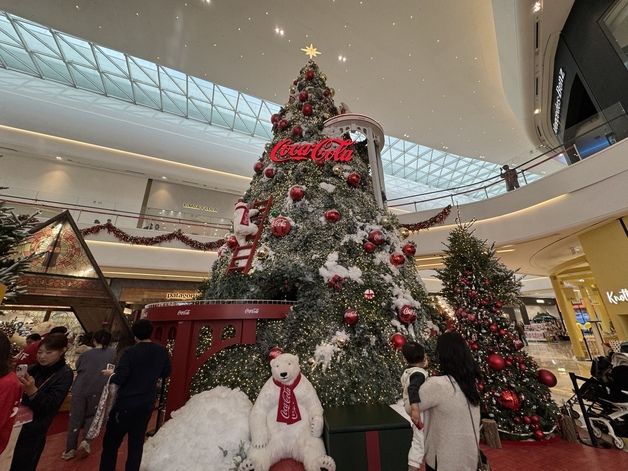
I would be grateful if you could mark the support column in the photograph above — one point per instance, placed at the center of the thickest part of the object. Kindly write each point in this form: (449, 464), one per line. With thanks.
(569, 318)
(600, 309)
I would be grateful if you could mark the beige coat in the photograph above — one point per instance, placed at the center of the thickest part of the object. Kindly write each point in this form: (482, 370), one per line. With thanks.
(450, 444)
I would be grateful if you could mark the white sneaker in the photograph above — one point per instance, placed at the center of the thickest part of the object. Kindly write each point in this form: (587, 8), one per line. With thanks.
(83, 450)
(68, 455)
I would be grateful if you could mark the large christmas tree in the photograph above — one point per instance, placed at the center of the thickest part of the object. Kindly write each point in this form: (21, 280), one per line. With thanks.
(476, 285)
(328, 247)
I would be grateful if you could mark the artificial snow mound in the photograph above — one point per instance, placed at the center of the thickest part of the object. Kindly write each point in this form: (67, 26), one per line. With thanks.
(204, 434)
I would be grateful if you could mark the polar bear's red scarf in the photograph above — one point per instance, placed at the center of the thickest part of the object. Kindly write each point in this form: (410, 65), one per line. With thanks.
(288, 409)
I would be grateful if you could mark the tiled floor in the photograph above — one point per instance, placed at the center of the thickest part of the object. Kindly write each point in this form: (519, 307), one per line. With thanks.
(555, 456)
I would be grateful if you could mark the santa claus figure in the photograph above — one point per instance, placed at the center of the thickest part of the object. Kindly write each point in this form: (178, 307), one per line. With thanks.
(242, 225)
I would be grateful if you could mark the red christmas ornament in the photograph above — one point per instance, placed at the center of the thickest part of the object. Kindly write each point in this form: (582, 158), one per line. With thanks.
(481, 386)
(281, 226)
(296, 193)
(407, 315)
(461, 313)
(275, 118)
(332, 215)
(502, 332)
(274, 353)
(326, 92)
(377, 237)
(508, 362)
(522, 367)
(471, 318)
(369, 247)
(535, 419)
(539, 435)
(397, 259)
(516, 420)
(496, 362)
(398, 340)
(310, 74)
(297, 131)
(307, 109)
(547, 378)
(493, 328)
(369, 294)
(472, 294)
(336, 282)
(498, 304)
(303, 95)
(269, 172)
(354, 179)
(409, 249)
(474, 346)
(258, 167)
(232, 242)
(527, 420)
(518, 344)
(351, 317)
(509, 400)
(282, 124)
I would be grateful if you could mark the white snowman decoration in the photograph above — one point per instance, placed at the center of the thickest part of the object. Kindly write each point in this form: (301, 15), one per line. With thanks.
(242, 225)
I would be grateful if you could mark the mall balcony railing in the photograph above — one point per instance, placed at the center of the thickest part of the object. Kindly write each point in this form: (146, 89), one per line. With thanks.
(582, 141)
(88, 214)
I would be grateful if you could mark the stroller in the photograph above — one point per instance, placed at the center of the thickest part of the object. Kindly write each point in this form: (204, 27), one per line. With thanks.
(605, 396)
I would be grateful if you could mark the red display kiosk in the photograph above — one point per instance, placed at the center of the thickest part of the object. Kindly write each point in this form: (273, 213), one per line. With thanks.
(177, 325)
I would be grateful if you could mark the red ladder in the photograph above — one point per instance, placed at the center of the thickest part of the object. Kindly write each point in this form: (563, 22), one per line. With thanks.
(250, 248)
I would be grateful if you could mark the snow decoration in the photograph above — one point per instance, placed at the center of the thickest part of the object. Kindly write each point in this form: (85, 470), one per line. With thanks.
(324, 354)
(209, 430)
(340, 337)
(328, 187)
(332, 268)
(403, 297)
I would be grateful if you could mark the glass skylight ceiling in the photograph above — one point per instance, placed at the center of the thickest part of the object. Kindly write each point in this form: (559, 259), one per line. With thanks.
(42, 52)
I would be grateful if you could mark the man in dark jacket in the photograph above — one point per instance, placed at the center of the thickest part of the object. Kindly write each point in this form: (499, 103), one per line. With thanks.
(136, 376)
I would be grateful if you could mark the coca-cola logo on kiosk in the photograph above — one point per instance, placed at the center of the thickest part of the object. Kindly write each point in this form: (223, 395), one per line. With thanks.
(334, 149)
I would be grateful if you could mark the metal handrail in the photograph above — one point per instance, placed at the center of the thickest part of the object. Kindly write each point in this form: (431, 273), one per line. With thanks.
(481, 185)
(106, 211)
(217, 301)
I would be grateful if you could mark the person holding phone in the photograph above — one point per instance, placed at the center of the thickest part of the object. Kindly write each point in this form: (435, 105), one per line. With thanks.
(46, 384)
(10, 392)
(86, 392)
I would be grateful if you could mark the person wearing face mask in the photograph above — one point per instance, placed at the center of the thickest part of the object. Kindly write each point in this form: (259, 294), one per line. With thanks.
(45, 387)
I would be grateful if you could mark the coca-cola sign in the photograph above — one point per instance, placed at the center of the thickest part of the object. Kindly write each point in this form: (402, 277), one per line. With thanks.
(334, 149)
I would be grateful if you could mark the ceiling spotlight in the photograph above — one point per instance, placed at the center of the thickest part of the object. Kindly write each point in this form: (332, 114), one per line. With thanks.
(279, 31)
(537, 7)
(537, 111)
(164, 177)
(58, 157)
(342, 59)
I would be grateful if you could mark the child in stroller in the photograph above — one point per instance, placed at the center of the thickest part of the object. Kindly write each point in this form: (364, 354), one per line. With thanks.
(606, 393)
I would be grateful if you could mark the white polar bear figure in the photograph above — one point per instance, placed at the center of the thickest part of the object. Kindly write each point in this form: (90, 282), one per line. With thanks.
(286, 421)
(242, 225)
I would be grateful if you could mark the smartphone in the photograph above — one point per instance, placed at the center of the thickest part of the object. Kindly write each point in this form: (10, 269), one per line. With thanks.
(111, 366)
(21, 370)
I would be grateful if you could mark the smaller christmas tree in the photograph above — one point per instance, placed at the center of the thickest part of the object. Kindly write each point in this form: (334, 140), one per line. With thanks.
(13, 230)
(476, 285)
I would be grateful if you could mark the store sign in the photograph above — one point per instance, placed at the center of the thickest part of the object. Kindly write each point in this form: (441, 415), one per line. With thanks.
(181, 296)
(560, 85)
(621, 297)
(337, 150)
(199, 207)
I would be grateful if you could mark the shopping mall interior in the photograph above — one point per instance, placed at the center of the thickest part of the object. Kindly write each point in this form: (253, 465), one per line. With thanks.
(130, 129)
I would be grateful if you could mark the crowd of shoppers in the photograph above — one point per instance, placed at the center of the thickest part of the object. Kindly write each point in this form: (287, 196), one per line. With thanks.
(42, 382)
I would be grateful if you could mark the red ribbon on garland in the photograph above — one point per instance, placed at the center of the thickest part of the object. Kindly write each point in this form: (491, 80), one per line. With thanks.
(440, 217)
(160, 239)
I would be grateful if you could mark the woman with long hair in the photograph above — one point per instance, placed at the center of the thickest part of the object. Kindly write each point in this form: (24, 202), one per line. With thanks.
(10, 391)
(46, 384)
(452, 402)
(86, 392)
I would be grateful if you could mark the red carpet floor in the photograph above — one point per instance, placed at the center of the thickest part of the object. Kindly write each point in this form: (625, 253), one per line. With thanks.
(558, 456)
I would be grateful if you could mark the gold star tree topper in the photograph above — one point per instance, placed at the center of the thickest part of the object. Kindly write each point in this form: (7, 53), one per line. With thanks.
(311, 51)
